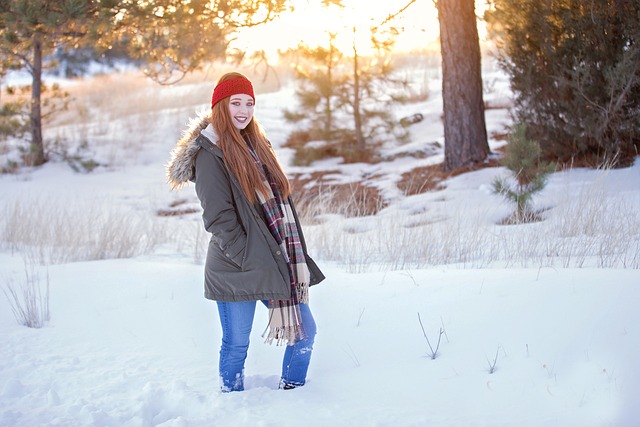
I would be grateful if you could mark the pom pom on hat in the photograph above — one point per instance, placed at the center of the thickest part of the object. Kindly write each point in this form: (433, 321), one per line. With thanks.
(231, 87)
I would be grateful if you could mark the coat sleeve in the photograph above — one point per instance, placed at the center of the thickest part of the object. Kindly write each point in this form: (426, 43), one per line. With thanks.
(220, 217)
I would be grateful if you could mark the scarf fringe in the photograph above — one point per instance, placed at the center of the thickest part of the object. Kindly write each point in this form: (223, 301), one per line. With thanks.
(302, 289)
(285, 324)
(288, 335)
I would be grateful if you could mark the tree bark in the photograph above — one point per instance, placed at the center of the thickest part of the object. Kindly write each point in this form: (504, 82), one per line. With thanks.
(357, 118)
(328, 110)
(36, 156)
(465, 132)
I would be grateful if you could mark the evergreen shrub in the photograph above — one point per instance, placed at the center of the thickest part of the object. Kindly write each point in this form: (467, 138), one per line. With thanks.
(575, 73)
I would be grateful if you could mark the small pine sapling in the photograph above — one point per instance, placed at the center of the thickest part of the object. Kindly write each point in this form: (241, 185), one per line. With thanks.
(522, 158)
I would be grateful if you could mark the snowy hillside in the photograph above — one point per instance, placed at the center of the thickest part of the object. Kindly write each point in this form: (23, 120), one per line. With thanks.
(538, 324)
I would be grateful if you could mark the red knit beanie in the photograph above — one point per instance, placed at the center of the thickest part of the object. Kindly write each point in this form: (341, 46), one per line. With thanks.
(230, 87)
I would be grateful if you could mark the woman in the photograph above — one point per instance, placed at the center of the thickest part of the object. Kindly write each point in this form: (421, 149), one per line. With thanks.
(257, 251)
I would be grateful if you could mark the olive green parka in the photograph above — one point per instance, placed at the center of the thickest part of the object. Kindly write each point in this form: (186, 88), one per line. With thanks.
(244, 262)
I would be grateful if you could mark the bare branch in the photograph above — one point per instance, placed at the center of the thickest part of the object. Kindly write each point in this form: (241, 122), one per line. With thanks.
(393, 16)
(23, 58)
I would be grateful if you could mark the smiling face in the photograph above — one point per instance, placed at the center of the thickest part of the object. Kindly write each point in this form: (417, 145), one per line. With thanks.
(241, 110)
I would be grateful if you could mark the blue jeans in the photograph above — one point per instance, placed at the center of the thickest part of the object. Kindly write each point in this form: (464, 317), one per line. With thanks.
(236, 319)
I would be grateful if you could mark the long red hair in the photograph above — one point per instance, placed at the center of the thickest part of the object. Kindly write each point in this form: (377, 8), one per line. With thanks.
(236, 153)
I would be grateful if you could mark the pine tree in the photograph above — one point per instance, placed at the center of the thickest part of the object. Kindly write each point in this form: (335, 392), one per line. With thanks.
(173, 37)
(346, 101)
(371, 93)
(574, 68)
(522, 158)
(29, 32)
(318, 72)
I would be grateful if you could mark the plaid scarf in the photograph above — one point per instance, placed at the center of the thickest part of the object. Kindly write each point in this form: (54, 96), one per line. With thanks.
(285, 320)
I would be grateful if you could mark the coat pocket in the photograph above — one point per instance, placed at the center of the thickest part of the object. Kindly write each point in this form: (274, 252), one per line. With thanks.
(222, 261)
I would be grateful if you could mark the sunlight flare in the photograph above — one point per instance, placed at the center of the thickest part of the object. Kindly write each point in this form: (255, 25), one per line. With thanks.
(310, 23)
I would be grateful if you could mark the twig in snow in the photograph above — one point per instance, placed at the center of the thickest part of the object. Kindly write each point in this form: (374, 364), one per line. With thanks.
(360, 317)
(434, 353)
(444, 331)
(492, 365)
(408, 273)
(352, 355)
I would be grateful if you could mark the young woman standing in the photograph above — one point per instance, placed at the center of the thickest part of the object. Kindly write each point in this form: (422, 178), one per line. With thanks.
(257, 250)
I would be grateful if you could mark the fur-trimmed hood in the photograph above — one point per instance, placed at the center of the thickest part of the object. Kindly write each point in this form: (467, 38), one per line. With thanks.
(180, 168)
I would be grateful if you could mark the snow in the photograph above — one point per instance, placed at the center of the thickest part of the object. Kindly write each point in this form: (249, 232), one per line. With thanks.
(133, 342)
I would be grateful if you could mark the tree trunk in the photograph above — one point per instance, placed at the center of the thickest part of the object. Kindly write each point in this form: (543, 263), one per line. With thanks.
(357, 118)
(36, 157)
(328, 113)
(465, 132)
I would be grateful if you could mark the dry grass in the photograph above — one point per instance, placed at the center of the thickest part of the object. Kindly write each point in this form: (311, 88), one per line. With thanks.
(54, 231)
(29, 304)
(589, 229)
(316, 195)
(427, 178)
(177, 208)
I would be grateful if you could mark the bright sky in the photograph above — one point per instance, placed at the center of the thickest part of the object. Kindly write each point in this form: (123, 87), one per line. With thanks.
(310, 23)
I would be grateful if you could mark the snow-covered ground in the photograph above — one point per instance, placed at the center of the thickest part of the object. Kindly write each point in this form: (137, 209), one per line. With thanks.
(529, 343)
